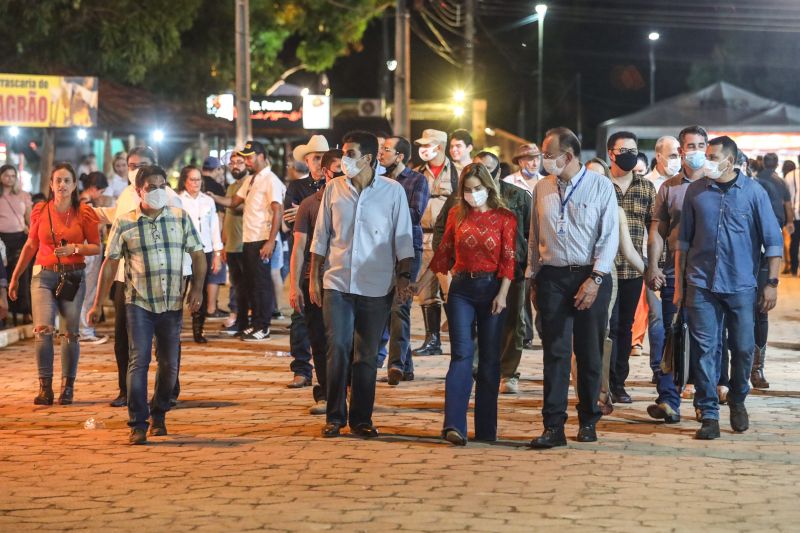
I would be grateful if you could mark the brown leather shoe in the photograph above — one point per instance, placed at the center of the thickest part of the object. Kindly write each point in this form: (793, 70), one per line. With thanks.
(299, 382)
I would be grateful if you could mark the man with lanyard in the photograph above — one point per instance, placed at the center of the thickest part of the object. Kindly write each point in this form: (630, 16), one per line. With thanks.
(574, 237)
(297, 191)
(442, 182)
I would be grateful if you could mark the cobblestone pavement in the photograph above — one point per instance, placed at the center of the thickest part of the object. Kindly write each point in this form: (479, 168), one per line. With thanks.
(243, 453)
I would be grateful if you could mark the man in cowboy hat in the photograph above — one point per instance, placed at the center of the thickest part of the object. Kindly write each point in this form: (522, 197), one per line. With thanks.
(297, 191)
(529, 159)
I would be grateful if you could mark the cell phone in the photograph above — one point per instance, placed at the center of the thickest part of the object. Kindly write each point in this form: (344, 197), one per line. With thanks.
(63, 242)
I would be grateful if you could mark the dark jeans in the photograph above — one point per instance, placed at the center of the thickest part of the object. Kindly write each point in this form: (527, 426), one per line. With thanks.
(353, 327)
(400, 328)
(705, 310)
(121, 350)
(258, 285)
(469, 301)
(315, 325)
(668, 393)
(513, 333)
(143, 325)
(762, 319)
(14, 243)
(565, 329)
(300, 346)
(628, 293)
(236, 274)
(794, 245)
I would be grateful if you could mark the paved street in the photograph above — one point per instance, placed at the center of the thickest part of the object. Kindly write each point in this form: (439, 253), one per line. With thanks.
(243, 453)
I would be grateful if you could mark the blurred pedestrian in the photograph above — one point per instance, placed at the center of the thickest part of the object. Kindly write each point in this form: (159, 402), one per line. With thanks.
(460, 149)
(239, 300)
(95, 186)
(15, 217)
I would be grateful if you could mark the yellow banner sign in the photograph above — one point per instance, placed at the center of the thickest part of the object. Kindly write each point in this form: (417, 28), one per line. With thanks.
(47, 101)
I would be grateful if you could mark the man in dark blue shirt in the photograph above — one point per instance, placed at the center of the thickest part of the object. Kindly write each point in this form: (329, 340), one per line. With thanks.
(393, 155)
(726, 220)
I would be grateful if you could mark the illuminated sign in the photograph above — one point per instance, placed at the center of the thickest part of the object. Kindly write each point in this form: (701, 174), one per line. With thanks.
(301, 112)
(47, 101)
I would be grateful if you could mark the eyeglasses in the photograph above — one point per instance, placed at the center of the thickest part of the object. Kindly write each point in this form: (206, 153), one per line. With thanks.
(386, 150)
(552, 156)
(620, 151)
(132, 166)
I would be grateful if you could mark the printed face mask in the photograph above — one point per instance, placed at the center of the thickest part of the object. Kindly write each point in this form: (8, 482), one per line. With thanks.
(428, 154)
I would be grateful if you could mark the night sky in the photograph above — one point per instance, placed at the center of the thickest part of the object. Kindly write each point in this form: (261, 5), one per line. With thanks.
(603, 40)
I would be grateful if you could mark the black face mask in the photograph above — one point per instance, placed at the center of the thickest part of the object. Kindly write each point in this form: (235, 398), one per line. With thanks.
(390, 168)
(338, 174)
(626, 161)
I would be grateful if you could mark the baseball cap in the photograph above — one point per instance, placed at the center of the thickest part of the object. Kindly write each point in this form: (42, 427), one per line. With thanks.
(211, 163)
(251, 148)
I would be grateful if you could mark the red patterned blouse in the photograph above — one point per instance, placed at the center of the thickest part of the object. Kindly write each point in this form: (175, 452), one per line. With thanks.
(483, 242)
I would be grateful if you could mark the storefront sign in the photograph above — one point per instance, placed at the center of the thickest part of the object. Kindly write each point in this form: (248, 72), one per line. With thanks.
(47, 101)
(288, 112)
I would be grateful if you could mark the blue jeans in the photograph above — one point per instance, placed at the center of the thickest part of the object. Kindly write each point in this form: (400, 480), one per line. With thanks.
(92, 272)
(353, 327)
(655, 327)
(45, 306)
(142, 326)
(665, 384)
(470, 300)
(400, 329)
(706, 311)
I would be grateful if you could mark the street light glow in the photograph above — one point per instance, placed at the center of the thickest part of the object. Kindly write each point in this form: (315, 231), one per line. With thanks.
(13, 131)
(304, 92)
(459, 95)
(541, 9)
(458, 111)
(82, 134)
(391, 65)
(654, 36)
(158, 136)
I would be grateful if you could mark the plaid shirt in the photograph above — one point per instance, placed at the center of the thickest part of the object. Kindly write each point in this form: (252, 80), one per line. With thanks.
(153, 252)
(418, 194)
(637, 202)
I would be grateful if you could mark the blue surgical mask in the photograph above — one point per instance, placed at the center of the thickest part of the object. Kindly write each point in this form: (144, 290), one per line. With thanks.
(695, 159)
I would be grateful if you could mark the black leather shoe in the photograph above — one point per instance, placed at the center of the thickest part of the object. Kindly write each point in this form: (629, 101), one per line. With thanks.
(408, 376)
(453, 436)
(551, 438)
(621, 396)
(708, 431)
(528, 345)
(137, 436)
(395, 377)
(662, 411)
(587, 433)
(739, 420)
(366, 431)
(158, 428)
(331, 430)
(120, 401)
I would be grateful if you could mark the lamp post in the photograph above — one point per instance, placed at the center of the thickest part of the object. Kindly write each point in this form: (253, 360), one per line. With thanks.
(541, 11)
(653, 37)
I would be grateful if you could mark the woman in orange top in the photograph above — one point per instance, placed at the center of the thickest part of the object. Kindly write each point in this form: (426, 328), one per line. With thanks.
(62, 232)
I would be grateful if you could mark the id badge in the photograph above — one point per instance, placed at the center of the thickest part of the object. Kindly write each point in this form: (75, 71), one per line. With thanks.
(561, 228)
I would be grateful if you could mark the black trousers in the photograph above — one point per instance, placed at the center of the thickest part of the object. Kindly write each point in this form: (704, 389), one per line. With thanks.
(794, 245)
(628, 293)
(315, 327)
(564, 330)
(258, 284)
(120, 335)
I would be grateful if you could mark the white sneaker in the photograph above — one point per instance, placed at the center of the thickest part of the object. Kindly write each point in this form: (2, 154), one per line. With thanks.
(318, 408)
(93, 339)
(257, 336)
(510, 385)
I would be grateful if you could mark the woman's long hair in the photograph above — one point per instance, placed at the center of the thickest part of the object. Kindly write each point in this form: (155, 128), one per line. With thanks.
(75, 201)
(185, 176)
(477, 170)
(15, 187)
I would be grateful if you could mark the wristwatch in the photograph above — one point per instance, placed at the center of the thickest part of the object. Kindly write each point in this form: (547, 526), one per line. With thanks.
(772, 282)
(597, 277)
(406, 275)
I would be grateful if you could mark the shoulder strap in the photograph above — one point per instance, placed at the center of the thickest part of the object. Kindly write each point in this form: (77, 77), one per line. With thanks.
(53, 234)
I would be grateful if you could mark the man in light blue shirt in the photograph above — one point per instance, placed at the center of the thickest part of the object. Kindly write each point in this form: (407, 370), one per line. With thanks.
(363, 236)
(726, 220)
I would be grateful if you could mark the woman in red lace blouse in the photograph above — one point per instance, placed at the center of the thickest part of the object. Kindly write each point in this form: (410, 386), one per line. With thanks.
(478, 247)
(63, 231)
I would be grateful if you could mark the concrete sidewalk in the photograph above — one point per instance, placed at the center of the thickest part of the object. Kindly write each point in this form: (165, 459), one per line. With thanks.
(243, 453)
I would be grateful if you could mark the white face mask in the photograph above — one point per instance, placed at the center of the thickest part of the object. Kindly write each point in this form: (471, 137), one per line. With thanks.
(132, 176)
(350, 167)
(713, 170)
(673, 166)
(156, 199)
(477, 198)
(428, 154)
(551, 166)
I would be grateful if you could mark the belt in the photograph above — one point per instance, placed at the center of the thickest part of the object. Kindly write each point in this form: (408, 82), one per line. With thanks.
(427, 230)
(64, 268)
(475, 275)
(573, 268)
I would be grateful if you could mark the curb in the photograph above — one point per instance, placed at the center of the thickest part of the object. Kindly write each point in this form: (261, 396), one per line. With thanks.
(15, 334)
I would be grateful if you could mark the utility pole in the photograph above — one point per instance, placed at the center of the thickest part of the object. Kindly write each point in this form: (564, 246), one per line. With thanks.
(402, 76)
(469, 60)
(541, 11)
(244, 129)
(579, 106)
(385, 74)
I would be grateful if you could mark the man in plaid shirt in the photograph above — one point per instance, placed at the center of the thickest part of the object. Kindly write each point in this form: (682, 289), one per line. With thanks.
(152, 239)
(636, 197)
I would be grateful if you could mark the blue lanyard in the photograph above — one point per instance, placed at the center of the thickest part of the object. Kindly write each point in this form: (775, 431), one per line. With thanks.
(565, 201)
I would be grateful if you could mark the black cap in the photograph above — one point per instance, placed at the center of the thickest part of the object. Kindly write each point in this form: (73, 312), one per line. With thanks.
(252, 147)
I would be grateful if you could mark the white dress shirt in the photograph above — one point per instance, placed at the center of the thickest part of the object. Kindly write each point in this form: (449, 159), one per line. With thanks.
(259, 192)
(656, 179)
(519, 179)
(116, 184)
(203, 212)
(591, 223)
(793, 184)
(363, 235)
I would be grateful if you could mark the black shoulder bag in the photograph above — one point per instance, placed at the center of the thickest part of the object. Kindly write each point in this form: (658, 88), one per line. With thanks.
(68, 282)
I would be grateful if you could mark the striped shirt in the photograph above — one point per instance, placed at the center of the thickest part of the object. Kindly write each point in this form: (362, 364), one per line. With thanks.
(591, 223)
(153, 251)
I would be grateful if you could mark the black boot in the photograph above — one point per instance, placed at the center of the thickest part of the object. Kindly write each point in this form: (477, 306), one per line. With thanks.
(67, 390)
(45, 396)
(197, 328)
(432, 315)
(757, 379)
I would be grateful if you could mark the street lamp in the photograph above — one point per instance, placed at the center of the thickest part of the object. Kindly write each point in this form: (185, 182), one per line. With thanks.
(13, 131)
(541, 11)
(81, 134)
(653, 37)
(459, 96)
(158, 136)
